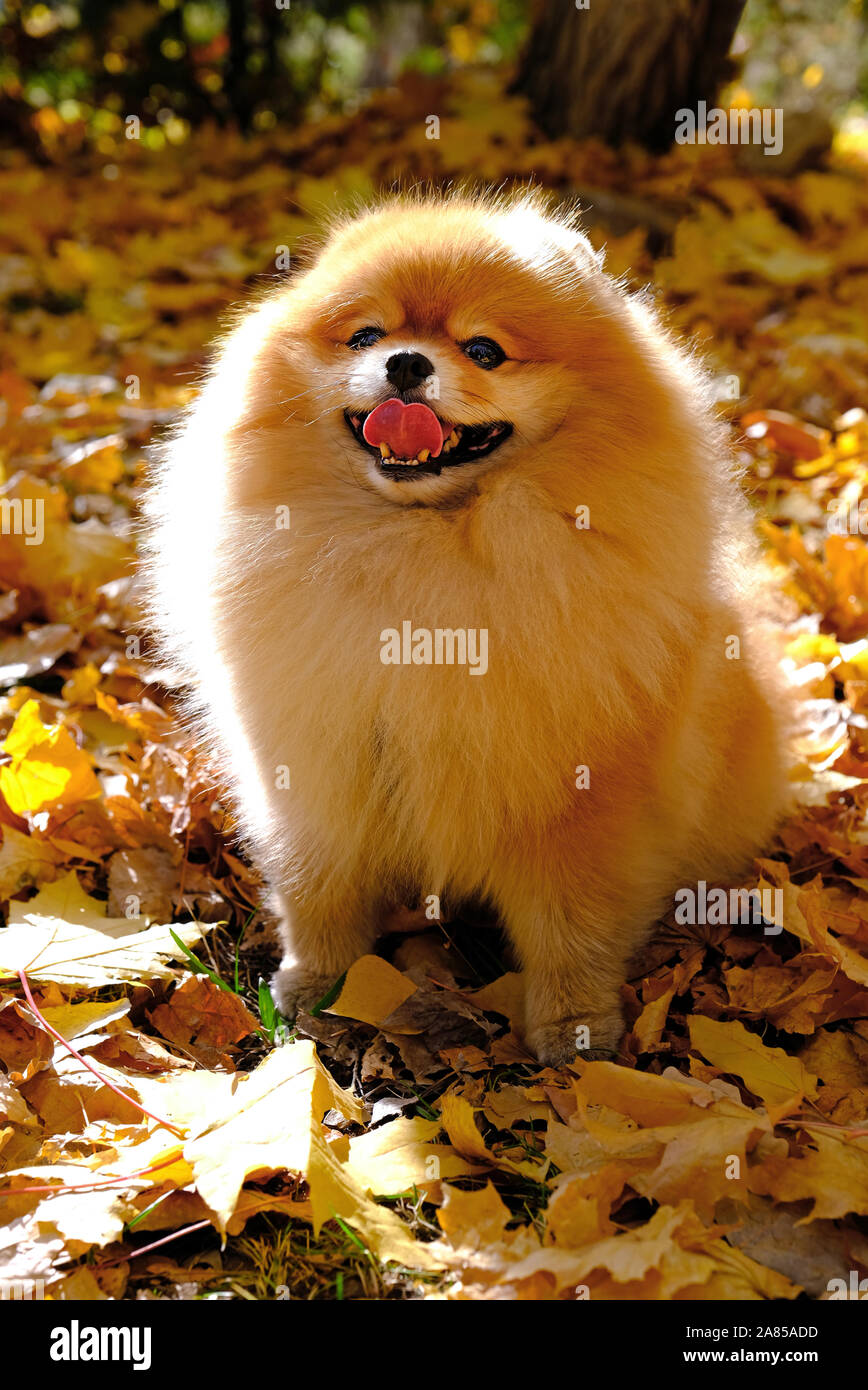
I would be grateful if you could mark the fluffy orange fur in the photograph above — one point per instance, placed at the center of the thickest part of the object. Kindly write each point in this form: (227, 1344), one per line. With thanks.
(609, 648)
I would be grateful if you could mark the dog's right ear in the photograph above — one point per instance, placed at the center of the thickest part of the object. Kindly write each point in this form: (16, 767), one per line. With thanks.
(540, 236)
(584, 252)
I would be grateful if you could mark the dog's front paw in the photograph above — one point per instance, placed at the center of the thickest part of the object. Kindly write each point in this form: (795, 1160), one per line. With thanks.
(294, 987)
(590, 1036)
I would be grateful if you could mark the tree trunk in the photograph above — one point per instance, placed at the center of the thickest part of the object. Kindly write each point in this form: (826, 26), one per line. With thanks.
(237, 80)
(273, 24)
(620, 69)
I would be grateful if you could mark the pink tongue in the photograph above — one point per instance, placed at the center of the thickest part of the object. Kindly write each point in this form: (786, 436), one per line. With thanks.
(405, 428)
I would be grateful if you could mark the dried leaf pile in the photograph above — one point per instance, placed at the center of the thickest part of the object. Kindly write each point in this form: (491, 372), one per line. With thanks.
(162, 1132)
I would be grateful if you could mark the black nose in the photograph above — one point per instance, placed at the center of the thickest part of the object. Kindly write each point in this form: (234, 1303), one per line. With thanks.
(408, 369)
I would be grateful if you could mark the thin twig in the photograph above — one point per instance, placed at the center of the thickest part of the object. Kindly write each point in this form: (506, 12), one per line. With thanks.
(146, 1249)
(166, 1124)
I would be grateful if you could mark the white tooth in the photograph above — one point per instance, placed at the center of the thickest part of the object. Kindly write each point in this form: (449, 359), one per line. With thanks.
(384, 450)
(424, 455)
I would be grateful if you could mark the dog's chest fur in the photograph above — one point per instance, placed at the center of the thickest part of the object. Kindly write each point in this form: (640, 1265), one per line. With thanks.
(400, 746)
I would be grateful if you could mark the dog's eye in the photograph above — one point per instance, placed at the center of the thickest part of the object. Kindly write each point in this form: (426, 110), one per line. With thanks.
(365, 337)
(485, 352)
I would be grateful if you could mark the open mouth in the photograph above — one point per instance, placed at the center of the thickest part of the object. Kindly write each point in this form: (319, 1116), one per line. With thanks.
(411, 441)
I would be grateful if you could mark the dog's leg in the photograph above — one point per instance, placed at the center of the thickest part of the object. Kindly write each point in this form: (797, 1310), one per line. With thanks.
(573, 971)
(322, 932)
(575, 914)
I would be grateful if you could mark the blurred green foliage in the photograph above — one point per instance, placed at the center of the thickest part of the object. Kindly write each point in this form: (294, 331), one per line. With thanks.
(173, 63)
(794, 51)
(73, 71)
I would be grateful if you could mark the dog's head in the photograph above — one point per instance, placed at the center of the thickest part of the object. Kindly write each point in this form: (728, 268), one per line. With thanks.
(437, 341)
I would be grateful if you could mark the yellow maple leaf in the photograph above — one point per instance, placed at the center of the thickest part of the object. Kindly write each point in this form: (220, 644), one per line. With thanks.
(47, 768)
(372, 991)
(778, 1079)
(63, 935)
(403, 1154)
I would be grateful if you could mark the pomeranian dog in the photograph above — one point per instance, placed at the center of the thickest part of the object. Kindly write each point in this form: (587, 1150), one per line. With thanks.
(452, 554)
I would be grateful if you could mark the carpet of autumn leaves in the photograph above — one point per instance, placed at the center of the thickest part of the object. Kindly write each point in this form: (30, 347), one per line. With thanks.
(161, 1132)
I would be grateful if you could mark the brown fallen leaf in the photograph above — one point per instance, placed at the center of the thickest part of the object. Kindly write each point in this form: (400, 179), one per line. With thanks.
(426, 955)
(465, 1059)
(458, 1118)
(378, 1062)
(443, 1018)
(35, 651)
(671, 1255)
(795, 997)
(68, 1097)
(709, 1160)
(580, 1207)
(832, 1173)
(476, 1221)
(649, 1026)
(787, 433)
(776, 1237)
(510, 1104)
(697, 1144)
(573, 1149)
(840, 1059)
(26, 862)
(25, 1046)
(199, 1014)
(138, 1051)
(13, 1106)
(142, 883)
(29, 1251)
(80, 1220)
(81, 1286)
